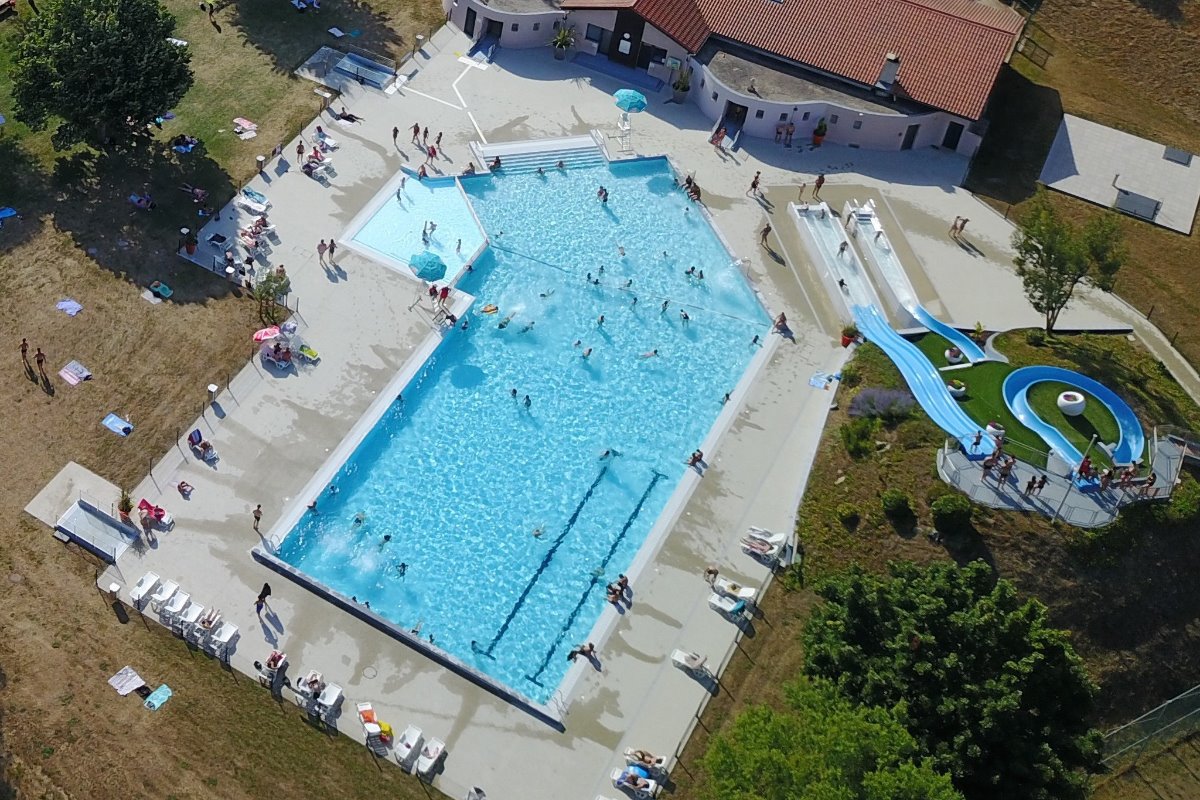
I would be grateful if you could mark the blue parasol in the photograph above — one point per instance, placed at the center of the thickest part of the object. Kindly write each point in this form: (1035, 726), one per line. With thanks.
(629, 100)
(428, 266)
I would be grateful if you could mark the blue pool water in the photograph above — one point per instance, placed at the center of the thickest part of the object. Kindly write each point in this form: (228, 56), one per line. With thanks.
(460, 474)
(394, 230)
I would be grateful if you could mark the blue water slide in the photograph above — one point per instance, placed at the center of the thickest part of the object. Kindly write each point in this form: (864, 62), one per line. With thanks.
(1132, 441)
(926, 383)
(973, 352)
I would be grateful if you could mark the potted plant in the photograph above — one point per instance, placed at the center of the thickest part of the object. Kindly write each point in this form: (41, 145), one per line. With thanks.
(682, 85)
(189, 241)
(849, 334)
(125, 505)
(957, 388)
(819, 132)
(563, 40)
(953, 355)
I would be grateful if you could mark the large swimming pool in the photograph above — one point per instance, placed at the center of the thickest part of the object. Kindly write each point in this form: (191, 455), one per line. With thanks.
(491, 524)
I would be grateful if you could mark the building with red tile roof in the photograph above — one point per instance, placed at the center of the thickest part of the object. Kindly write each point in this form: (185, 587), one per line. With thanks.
(882, 74)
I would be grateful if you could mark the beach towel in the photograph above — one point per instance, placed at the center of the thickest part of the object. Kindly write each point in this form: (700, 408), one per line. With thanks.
(183, 148)
(72, 307)
(117, 425)
(5, 213)
(151, 297)
(336, 33)
(126, 681)
(256, 197)
(75, 373)
(159, 696)
(177, 43)
(245, 124)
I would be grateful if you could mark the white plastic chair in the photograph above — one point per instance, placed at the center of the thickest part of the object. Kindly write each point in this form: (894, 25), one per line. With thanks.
(688, 662)
(165, 591)
(218, 643)
(182, 624)
(408, 747)
(173, 608)
(430, 755)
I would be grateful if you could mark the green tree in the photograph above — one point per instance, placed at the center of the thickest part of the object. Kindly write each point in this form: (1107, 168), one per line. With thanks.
(1049, 259)
(1104, 248)
(819, 747)
(104, 67)
(995, 696)
(267, 292)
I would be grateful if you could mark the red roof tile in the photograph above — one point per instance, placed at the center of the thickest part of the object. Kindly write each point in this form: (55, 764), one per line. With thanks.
(950, 50)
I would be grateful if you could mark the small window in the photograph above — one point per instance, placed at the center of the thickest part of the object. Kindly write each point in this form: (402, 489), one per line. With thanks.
(857, 124)
(783, 117)
(516, 27)
(804, 117)
(593, 33)
(702, 83)
(537, 26)
(714, 95)
(833, 119)
(758, 114)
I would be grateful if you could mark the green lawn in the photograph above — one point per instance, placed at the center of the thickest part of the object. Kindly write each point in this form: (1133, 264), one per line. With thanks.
(984, 401)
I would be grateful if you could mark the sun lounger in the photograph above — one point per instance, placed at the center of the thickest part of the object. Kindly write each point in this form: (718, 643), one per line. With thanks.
(256, 196)
(622, 779)
(372, 728)
(689, 662)
(250, 205)
(161, 289)
(729, 588)
(731, 607)
(327, 143)
(764, 544)
(308, 355)
(329, 699)
(195, 440)
(218, 643)
(431, 755)
(187, 618)
(268, 354)
(143, 588)
(408, 748)
(173, 608)
(165, 591)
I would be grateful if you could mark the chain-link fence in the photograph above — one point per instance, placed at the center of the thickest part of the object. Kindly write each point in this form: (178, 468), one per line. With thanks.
(1153, 732)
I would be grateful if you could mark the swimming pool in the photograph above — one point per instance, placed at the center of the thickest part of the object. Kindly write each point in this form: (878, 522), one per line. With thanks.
(391, 228)
(490, 524)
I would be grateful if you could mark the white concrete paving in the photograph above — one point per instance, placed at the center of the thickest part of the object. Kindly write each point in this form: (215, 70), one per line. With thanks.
(274, 431)
(1098, 163)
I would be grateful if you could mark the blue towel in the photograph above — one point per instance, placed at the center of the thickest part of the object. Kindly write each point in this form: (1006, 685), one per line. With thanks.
(159, 696)
(7, 211)
(257, 197)
(117, 425)
(738, 607)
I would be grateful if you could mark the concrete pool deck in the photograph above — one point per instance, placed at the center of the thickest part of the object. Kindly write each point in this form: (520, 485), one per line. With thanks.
(273, 432)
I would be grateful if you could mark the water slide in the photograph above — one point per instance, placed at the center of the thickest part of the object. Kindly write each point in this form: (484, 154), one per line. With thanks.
(1131, 444)
(927, 384)
(875, 242)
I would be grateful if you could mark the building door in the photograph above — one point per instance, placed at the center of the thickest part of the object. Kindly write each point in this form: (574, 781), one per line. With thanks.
(469, 24)
(495, 29)
(626, 38)
(954, 132)
(910, 136)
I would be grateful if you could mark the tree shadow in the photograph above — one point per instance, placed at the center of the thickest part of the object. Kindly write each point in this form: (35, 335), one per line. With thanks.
(1024, 118)
(289, 37)
(91, 192)
(1167, 10)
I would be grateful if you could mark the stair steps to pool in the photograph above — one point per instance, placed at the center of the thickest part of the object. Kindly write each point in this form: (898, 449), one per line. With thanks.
(524, 157)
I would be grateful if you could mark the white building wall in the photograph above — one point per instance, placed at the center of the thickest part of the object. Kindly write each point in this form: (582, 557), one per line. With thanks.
(877, 131)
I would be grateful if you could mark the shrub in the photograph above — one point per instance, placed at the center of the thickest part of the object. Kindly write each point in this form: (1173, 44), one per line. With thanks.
(890, 405)
(851, 375)
(1036, 337)
(859, 437)
(952, 513)
(918, 432)
(1185, 502)
(847, 514)
(896, 504)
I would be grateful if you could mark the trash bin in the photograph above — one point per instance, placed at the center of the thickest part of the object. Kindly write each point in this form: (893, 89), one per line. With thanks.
(262, 162)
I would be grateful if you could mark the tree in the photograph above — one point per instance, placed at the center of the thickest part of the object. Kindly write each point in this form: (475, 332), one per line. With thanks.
(1053, 257)
(819, 747)
(104, 67)
(267, 292)
(1049, 259)
(995, 696)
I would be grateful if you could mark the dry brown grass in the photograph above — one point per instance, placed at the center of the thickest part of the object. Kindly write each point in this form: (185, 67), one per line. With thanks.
(65, 733)
(1119, 63)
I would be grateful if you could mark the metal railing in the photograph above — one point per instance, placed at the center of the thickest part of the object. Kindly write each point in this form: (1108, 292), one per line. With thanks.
(1153, 732)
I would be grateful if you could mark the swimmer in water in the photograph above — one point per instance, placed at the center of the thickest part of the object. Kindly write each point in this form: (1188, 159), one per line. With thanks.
(527, 401)
(577, 343)
(546, 294)
(600, 321)
(538, 531)
(387, 537)
(360, 518)
(402, 568)
(504, 322)
(527, 328)
(664, 306)
(629, 283)
(587, 352)
(651, 354)
(513, 393)
(621, 251)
